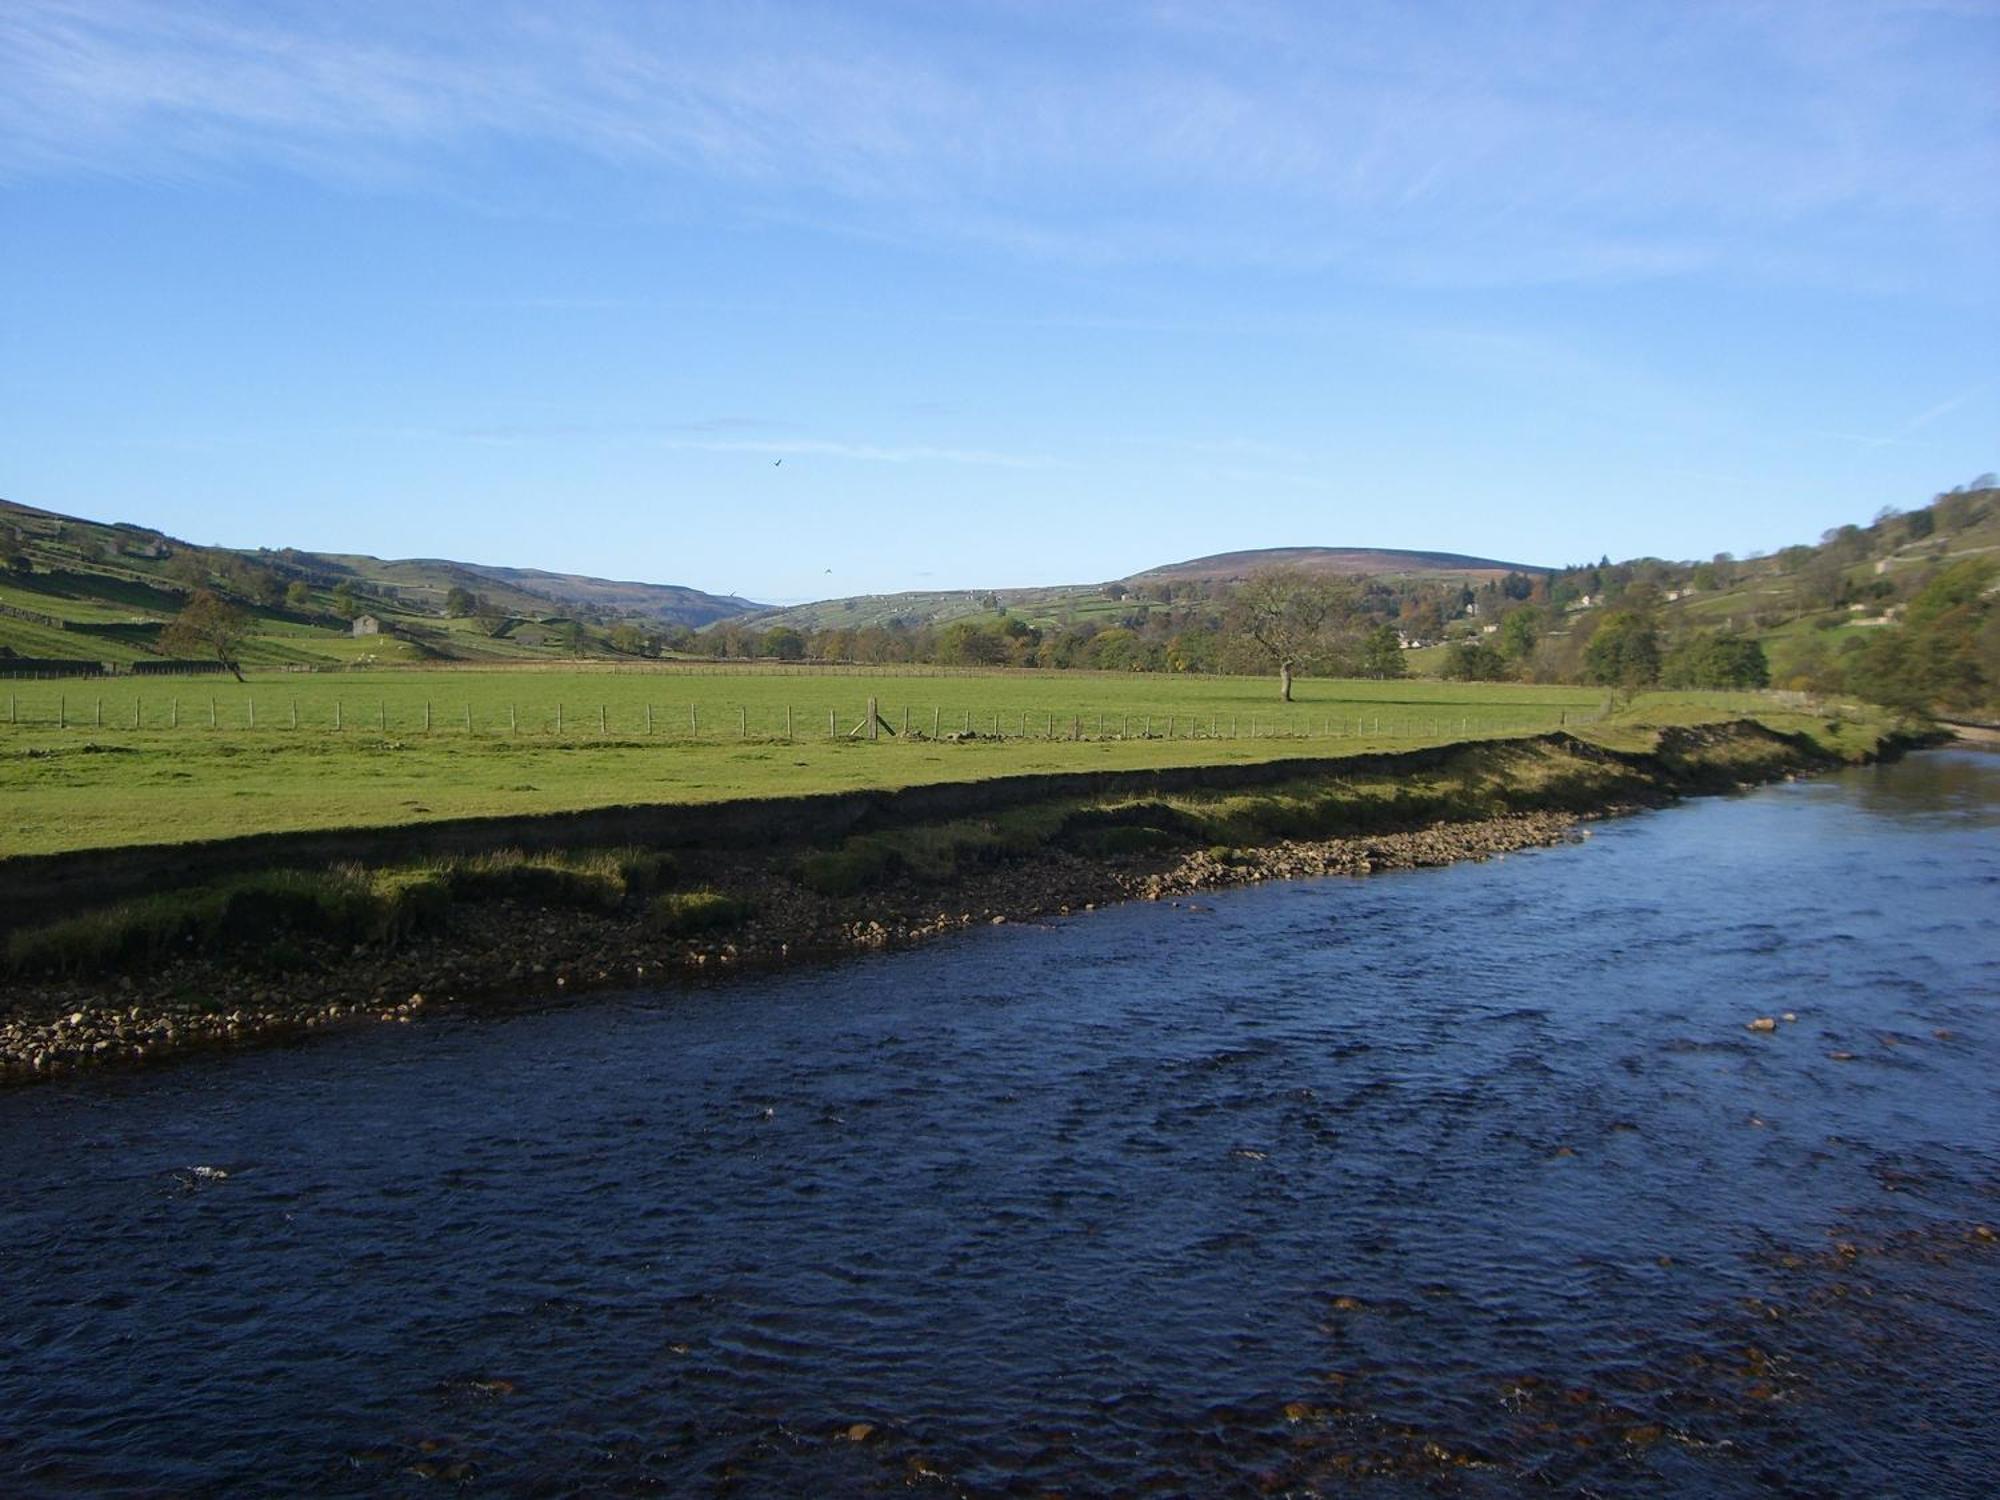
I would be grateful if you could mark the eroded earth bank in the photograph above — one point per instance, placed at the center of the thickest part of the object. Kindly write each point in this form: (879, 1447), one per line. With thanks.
(288, 951)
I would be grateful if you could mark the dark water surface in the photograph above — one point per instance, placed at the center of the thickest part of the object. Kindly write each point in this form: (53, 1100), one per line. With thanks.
(1456, 1181)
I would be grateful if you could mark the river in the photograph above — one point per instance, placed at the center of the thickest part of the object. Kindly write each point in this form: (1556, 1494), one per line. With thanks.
(1455, 1181)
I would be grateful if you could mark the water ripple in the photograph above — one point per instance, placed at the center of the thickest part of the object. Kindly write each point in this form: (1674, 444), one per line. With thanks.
(1449, 1181)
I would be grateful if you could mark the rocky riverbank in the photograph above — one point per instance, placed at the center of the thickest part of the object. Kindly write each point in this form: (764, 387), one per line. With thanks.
(511, 949)
(1474, 802)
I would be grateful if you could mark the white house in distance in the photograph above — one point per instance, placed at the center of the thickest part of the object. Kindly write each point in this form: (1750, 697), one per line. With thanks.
(367, 625)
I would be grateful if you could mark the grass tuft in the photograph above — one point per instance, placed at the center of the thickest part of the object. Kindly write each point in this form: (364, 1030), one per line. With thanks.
(600, 879)
(685, 913)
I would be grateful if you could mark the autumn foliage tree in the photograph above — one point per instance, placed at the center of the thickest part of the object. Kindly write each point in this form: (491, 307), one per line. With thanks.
(1292, 616)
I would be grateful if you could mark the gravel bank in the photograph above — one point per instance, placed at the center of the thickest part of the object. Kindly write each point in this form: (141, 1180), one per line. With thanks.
(511, 950)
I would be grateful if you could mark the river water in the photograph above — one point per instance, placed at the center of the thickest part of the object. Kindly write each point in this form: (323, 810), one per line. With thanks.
(1457, 1181)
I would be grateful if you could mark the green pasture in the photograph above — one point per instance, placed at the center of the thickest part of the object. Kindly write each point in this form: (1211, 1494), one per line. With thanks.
(214, 758)
(707, 704)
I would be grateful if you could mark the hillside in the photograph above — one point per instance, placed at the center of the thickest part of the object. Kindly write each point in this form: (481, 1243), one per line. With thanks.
(1350, 562)
(1818, 610)
(1132, 595)
(425, 581)
(920, 607)
(674, 604)
(73, 589)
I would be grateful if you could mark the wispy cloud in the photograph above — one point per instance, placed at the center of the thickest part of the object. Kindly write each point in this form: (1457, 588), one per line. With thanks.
(1931, 414)
(1465, 142)
(1900, 436)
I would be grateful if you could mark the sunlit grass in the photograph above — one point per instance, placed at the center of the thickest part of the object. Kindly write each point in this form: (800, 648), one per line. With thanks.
(92, 780)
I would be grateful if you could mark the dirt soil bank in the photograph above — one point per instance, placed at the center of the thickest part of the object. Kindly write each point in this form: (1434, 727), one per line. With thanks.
(511, 949)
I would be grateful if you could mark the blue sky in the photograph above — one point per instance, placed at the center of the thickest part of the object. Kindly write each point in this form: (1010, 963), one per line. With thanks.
(1018, 292)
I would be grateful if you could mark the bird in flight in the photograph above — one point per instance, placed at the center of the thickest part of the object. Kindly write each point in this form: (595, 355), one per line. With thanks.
(779, 462)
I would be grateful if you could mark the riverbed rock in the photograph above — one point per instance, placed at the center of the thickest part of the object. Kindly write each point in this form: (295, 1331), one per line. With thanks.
(508, 946)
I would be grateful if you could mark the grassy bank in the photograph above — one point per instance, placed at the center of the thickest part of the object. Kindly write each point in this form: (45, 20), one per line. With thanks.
(349, 904)
(271, 911)
(77, 775)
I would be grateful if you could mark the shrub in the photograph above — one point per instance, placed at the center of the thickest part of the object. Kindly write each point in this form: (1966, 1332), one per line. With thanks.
(857, 865)
(1127, 838)
(600, 878)
(933, 852)
(683, 913)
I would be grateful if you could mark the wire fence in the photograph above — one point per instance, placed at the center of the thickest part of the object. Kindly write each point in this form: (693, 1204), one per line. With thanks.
(709, 723)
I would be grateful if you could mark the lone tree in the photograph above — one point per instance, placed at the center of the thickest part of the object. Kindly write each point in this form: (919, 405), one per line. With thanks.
(1291, 615)
(207, 626)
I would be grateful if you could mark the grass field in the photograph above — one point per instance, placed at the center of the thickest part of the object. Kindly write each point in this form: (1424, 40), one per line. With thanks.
(213, 759)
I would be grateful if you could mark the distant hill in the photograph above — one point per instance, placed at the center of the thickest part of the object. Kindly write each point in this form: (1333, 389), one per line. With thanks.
(669, 603)
(1224, 567)
(934, 607)
(77, 589)
(1114, 601)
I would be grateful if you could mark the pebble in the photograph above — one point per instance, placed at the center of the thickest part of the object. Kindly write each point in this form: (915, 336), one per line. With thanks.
(504, 947)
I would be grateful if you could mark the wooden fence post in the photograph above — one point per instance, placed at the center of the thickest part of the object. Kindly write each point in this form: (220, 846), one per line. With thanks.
(874, 720)
(100, 713)
(135, 710)
(558, 716)
(788, 721)
(336, 712)
(295, 713)
(742, 723)
(427, 716)
(250, 707)
(833, 723)
(649, 718)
